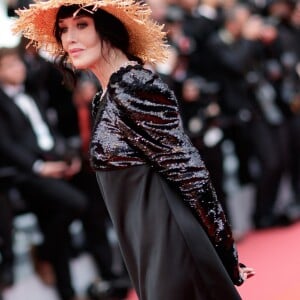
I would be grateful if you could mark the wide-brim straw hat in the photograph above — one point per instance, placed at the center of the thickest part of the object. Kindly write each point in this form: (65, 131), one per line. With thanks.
(147, 38)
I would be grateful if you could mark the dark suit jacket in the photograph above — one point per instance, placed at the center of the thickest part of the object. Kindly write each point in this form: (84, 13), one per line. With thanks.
(200, 28)
(18, 143)
(231, 62)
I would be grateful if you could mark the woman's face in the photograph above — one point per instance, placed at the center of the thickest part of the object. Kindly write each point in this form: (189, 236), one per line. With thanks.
(81, 41)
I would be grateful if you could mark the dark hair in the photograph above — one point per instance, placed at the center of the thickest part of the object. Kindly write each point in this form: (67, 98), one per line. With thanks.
(109, 28)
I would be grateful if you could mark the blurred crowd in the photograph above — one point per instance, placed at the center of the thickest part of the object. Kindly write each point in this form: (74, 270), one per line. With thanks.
(234, 66)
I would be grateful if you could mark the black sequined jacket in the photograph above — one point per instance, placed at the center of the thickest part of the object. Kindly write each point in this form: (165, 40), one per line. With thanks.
(137, 122)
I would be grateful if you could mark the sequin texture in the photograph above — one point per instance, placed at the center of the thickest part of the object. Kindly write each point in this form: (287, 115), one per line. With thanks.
(138, 122)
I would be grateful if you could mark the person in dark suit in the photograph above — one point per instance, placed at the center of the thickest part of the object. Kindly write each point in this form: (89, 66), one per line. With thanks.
(249, 99)
(286, 20)
(30, 146)
(199, 25)
(232, 52)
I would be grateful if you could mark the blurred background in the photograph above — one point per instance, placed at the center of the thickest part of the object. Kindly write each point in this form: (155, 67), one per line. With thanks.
(234, 67)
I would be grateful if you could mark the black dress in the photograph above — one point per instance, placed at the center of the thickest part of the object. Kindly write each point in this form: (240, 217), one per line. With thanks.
(172, 230)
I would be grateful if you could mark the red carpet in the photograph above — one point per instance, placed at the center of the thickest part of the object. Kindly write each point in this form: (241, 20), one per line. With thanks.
(275, 255)
(132, 296)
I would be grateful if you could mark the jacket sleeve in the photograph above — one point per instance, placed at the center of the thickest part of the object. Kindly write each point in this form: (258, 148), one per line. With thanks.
(150, 122)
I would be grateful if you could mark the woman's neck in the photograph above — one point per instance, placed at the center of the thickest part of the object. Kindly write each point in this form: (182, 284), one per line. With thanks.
(109, 65)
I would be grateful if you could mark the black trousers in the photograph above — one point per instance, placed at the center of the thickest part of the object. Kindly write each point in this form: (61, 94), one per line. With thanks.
(95, 221)
(241, 135)
(294, 160)
(56, 203)
(6, 217)
(270, 146)
(7, 175)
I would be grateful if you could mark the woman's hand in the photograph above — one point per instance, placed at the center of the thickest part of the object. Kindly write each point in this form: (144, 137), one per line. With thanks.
(246, 272)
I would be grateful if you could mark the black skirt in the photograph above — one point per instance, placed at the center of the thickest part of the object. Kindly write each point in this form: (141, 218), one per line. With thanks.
(166, 251)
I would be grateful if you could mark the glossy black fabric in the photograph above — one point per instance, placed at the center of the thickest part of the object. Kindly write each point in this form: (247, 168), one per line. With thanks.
(137, 123)
(167, 253)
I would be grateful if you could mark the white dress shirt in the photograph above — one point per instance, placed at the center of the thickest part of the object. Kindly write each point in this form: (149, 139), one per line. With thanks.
(29, 108)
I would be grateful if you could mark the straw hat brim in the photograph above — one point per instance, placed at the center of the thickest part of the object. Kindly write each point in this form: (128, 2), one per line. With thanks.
(147, 38)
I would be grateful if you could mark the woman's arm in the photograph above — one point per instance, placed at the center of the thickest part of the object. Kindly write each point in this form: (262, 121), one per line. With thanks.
(151, 124)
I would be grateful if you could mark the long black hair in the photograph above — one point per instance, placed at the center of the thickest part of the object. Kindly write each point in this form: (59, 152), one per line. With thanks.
(109, 28)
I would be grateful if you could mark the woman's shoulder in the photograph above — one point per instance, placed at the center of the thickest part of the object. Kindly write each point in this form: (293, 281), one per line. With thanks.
(132, 73)
(138, 78)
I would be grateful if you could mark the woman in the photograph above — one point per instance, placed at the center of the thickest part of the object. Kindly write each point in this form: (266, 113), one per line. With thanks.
(172, 230)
